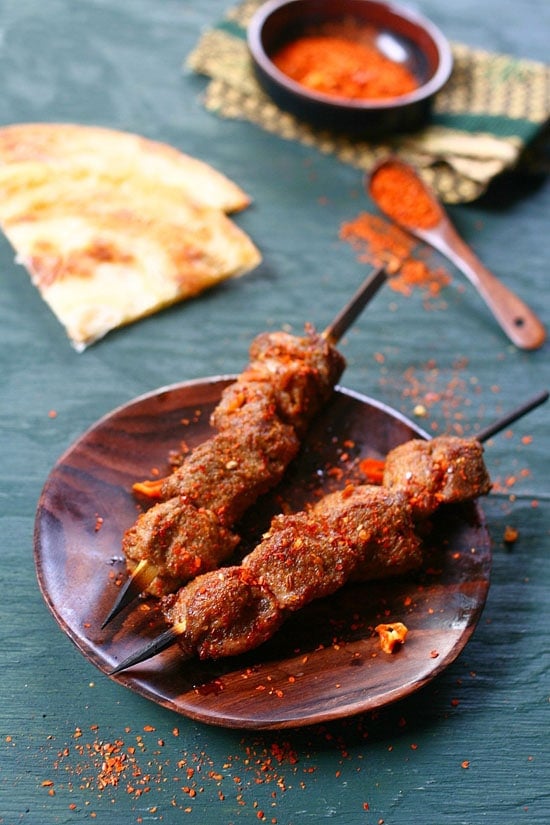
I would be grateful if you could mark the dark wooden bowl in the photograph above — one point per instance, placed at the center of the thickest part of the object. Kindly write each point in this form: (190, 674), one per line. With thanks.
(326, 661)
(403, 34)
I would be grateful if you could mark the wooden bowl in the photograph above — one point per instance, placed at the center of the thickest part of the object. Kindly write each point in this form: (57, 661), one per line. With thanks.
(401, 35)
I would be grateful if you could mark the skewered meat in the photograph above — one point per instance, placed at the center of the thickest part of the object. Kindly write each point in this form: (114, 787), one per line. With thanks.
(362, 531)
(181, 539)
(228, 472)
(260, 420)
(297, 373)
(444, 470)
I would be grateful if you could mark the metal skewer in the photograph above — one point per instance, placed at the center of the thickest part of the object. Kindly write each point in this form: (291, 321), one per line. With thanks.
(355, 306)
(162, 642)
(144, 573)
(513, 415)
(170, 636)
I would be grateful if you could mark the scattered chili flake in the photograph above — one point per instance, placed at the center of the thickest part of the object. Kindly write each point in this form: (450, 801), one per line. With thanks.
(511, 534)
(373, 469)
(379, 242)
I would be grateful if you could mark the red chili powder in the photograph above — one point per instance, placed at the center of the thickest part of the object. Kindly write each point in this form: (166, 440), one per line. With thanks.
(401, 194)
(343, 68)
(379, 242)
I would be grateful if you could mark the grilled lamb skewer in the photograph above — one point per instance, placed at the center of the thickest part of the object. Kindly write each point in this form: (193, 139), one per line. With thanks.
(363, 532)
(303, 557)
(445, 470)
(260, 420)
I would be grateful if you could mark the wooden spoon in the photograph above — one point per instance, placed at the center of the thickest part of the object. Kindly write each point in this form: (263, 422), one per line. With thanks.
(431, 224)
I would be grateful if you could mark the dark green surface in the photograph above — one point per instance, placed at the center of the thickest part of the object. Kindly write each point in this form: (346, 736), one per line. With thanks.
(119, 65)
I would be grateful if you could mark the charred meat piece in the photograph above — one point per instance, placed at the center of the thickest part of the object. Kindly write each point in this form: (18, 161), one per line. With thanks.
(303, 557)
(224, 476)
(297, 373)
(180, 540)
(364, 532)
(224, 613)
(388, 526)
(444, 470)
(228, 472)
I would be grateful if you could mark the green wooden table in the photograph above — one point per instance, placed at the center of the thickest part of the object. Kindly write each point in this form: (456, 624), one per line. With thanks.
(469, 748)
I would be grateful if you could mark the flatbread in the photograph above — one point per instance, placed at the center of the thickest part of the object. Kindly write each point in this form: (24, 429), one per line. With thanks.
(112, 227)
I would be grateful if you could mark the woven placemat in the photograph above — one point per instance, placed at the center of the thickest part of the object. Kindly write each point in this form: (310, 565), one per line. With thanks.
(491, 111)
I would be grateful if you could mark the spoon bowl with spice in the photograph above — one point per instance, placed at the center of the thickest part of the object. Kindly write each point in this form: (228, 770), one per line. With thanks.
(358, 66)
(402, 196)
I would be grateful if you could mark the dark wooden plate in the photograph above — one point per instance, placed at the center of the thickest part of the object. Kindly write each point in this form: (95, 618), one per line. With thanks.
(326, 661)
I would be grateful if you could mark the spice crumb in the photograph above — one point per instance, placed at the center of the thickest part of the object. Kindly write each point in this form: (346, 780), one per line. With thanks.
(511, 534)
(392, 636)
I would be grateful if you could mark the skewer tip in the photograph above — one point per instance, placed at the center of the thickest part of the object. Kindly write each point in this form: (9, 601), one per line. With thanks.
(140, 578)
(162, 642)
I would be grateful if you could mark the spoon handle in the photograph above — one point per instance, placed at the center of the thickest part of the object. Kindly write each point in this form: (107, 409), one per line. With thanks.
(518, 321)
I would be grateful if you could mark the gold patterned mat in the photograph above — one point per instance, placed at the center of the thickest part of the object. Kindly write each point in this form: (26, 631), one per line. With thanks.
(490, 112)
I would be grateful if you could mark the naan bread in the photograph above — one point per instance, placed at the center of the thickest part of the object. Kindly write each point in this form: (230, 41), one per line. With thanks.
(113, 227)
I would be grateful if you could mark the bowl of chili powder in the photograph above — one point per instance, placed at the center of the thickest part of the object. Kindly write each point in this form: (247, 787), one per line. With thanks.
(364, 67)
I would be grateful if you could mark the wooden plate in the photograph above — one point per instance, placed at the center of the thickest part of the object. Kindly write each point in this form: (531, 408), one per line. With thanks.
(326, 661)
